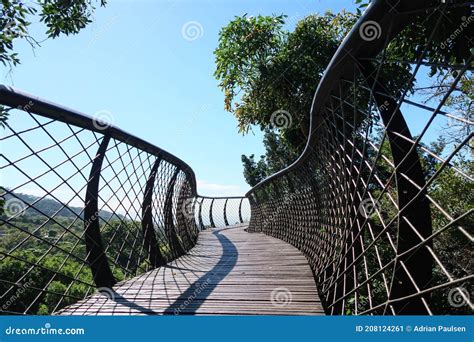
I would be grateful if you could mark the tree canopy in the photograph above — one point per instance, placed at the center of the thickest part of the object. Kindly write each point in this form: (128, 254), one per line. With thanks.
(269, 74)
(61, 17)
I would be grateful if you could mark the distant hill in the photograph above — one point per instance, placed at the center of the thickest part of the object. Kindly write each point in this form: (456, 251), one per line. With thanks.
(49, 207)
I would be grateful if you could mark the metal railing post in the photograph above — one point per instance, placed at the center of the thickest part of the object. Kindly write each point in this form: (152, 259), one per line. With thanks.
(240, 210)
(184, 212)
(414, 209)
(201, 223)
(225, 212)
(96, 256)
(175, 245)
(210, 215)
(150, 243)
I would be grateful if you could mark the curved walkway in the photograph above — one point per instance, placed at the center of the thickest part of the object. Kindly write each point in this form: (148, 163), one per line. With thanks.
(229, 271)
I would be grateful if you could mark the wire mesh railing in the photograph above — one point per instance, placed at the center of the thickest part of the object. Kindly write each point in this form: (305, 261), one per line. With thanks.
(214, 212)
(86, 205)
(381, 200)
(380, 207)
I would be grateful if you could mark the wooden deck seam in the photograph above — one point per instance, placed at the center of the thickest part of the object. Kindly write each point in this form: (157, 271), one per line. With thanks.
(228, 272)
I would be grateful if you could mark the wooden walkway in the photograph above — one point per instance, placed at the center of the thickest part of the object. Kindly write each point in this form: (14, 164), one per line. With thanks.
(229, 271)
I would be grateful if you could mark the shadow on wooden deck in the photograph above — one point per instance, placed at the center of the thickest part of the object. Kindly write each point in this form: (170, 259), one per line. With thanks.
(229, 271)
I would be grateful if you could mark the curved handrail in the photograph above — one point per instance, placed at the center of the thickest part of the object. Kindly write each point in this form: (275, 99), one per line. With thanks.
(226, 211)
(352, 47)
(15, 98)
(137, 206)
(323, 213)
(363, 199)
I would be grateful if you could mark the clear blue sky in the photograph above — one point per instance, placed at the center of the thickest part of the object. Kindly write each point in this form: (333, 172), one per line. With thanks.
(134, 62)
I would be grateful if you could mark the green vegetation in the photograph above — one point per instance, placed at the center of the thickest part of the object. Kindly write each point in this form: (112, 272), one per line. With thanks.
(269, 75)
(30, 238)
(265, 69)
(61, 17)
(43, 254)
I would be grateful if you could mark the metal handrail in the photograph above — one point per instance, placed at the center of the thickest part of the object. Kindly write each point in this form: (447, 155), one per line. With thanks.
(15, 98)
(317, 203)
(154, 221)
(352, 47)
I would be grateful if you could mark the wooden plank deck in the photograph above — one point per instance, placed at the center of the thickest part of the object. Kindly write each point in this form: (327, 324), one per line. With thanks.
(229, 271)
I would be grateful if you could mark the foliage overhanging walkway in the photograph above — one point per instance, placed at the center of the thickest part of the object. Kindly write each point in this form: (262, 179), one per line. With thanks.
(381, 216)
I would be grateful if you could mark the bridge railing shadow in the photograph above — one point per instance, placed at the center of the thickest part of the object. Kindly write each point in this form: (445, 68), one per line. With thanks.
(84, 195)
